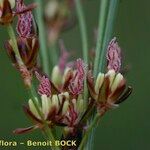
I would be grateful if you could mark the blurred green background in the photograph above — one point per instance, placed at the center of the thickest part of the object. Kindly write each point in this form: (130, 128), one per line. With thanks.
(125, 128)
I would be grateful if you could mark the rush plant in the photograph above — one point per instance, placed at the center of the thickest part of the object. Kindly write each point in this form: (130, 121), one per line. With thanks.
(71, 96)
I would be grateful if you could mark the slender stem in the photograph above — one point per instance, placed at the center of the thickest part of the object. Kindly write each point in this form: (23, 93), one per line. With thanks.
(53, 54)
(93, 124)
(101, 31)
(83, 30)
(14, 44)
(113, 7)
(42, 37)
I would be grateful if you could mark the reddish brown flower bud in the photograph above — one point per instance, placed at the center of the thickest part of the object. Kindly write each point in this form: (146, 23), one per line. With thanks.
(28, 49)
(6, 14)
(114, 55)
(76, 83)
(44, 86)
(109, 89)
(26, 26)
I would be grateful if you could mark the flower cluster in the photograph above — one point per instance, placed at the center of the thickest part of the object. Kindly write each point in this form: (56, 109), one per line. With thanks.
(62, 97)
(27, 43)
(72, 94)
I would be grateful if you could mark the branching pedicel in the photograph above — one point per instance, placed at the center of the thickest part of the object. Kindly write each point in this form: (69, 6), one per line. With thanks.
(59, 99)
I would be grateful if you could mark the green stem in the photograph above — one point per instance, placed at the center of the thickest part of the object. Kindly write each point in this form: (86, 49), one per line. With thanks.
(83, 30)
(93, 124)
(14, 44)
(113, 7)
(42, 37)
(101, 31)
(53, 54)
